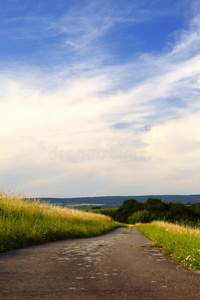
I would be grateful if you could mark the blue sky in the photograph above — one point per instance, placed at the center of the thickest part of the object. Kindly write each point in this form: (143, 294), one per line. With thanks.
(100, 97)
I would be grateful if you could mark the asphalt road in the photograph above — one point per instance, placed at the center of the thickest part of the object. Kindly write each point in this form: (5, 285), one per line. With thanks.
(112, 266)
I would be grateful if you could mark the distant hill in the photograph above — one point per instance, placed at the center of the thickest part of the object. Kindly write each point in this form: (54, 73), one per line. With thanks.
(117, 201)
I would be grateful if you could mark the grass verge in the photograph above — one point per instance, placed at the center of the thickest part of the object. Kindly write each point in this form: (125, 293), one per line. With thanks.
(181, 242)
(24, 222)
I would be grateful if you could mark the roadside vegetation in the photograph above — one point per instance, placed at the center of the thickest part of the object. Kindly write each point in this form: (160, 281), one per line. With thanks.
(25, 222)
(181, 242)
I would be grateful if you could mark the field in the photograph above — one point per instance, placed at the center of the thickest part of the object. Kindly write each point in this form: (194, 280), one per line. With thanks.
(181, 242)
(25, 222)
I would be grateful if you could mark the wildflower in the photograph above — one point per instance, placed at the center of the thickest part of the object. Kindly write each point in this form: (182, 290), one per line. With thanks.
(167, 229)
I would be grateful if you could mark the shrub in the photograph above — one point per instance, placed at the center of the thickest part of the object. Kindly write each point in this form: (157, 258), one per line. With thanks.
(141, 216)
(127, 209)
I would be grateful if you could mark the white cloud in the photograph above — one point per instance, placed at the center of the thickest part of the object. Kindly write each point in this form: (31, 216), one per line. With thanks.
(47, 133)
(174, 147)
(187, 41)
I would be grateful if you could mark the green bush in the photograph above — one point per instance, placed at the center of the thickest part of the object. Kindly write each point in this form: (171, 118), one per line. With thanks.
(141, 216)
(127, 209)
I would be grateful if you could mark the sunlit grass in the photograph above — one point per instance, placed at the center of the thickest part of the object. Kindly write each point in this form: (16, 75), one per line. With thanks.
(24, 222)
(181, 242)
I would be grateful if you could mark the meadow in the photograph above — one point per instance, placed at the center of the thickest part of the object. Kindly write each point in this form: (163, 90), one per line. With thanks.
(25, 222)
(181, 242)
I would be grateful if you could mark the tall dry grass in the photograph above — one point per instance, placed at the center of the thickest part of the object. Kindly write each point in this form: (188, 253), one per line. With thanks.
(25, 222)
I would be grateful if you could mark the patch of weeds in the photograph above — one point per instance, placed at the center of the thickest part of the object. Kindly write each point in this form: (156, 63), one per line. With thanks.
(102, 245)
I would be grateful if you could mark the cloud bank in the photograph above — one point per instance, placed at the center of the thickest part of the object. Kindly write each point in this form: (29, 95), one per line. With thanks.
(86, 127)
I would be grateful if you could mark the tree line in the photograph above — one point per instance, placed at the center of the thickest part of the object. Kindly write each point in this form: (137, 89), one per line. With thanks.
(132, 211)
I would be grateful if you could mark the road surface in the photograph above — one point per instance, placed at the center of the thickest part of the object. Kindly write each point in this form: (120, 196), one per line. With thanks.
(112, 266)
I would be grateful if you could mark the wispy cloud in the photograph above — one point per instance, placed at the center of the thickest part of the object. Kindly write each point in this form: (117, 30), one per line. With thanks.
(187, 40)
(76, 30)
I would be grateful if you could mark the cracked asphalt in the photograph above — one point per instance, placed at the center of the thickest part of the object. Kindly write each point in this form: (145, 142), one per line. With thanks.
(117, 265)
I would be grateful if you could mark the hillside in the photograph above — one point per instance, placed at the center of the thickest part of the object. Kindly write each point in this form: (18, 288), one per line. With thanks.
(24, 223)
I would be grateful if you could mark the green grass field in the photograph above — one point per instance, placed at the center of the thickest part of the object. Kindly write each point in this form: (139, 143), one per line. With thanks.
(181, 242)
(24, 222)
